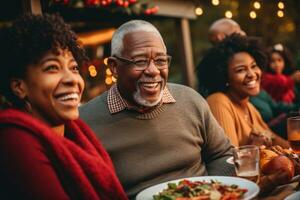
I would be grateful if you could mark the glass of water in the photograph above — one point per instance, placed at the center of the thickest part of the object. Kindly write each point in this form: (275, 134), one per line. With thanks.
(246, 162)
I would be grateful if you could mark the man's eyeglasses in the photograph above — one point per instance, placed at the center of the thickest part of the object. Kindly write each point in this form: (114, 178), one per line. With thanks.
(161, 62)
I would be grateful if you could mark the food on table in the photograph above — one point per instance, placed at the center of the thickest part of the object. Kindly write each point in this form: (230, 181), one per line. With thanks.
(291, 155)
(265, 156)
(200, 190)
(278, 166)
(280, 163)
(276, 158)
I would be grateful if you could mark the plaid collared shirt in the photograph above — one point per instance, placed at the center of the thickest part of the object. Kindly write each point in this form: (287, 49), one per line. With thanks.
(116, 103)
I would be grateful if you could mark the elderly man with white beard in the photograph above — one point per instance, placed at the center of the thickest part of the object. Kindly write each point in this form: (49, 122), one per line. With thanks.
(154, 131)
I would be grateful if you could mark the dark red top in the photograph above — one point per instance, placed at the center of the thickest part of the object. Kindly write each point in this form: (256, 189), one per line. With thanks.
(36, 163)
(279, 86)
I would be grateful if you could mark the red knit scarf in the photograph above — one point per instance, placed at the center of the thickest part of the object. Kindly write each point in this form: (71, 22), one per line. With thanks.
(83, 160)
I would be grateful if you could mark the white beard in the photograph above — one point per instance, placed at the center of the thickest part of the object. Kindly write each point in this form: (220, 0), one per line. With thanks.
(143, 102)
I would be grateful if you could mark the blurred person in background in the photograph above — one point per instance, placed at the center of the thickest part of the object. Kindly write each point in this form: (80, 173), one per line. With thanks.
(221, 28)
(46, 152)
(230, 80)
(280, 75)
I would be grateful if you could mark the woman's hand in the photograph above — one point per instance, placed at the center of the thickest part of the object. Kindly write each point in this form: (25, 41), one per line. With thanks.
(259, 139)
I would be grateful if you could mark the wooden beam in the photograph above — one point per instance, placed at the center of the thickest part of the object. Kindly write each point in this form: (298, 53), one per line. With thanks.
(32, 6)
(175, 8)
(182, 25)
(95, 38)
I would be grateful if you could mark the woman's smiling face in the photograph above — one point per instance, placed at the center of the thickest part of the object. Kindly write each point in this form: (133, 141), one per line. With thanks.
(244, 75)
(53, 87)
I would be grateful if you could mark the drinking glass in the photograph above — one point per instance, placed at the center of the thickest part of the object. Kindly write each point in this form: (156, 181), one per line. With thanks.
(246, 162)
(293, 133)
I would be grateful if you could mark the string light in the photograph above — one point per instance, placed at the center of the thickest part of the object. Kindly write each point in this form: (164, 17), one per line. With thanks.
(252, 15)
(93, 73)
(215, 2)
(108, 81)
(108, 72)
(280, 5)
(280, 13)
(105, 61)
(92, 68)
(290, 27)
(113, 79)
(256, 5)
(198, 11)
(228, 14)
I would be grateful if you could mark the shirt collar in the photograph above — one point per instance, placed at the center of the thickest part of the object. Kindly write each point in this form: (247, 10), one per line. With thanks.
(116, 103)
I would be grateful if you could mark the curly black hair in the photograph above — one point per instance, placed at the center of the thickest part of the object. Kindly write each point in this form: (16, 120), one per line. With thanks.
(289, 66)
(26, 41)
(212, 70)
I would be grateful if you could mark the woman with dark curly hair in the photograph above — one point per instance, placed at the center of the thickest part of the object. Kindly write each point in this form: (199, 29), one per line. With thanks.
(46, 152)
(280, 75)
(230, 73)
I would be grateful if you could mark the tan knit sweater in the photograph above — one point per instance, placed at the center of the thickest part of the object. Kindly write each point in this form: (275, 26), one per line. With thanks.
(233, 120)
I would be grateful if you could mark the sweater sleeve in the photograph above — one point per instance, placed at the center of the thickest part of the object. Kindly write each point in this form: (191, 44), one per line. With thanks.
(222, 112)
(26, 171)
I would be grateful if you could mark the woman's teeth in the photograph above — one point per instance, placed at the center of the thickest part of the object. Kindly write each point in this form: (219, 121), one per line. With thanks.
(251, 84)
(72, 96)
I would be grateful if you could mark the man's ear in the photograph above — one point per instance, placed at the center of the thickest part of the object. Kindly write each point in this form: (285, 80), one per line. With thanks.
(18, 87)
(112, 64)
(221, 36)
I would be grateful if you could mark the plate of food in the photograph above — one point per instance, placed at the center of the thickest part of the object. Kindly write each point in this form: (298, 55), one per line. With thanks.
(203, 187)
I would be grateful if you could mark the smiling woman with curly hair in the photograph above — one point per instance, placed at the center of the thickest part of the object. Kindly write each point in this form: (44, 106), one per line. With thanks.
(230, 73)
(46, 152)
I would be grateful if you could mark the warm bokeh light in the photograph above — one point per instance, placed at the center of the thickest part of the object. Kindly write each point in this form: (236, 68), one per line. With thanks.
(92, 68)
(290, 27)
(252, 15)
(280, 13)
(256, 5)
(215, 2)
(105, 61)
(280, 5)
(198, 11)
(108, 80)
(93, 73)
(108, 72)
(228, 14)
(234, 5)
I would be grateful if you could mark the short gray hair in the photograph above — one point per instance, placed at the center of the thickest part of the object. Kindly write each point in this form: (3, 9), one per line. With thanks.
(226, 26)
(129, 27)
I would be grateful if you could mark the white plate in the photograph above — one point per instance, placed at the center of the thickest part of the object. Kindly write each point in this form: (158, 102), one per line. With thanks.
(294, 196)
(253, 189)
